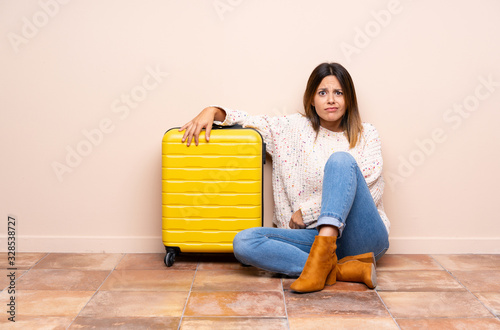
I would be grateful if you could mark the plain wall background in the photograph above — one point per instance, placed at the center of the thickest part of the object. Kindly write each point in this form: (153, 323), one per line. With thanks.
(426, 73)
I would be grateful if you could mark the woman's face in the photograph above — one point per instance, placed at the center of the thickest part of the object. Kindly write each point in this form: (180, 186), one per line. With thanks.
(329, 103)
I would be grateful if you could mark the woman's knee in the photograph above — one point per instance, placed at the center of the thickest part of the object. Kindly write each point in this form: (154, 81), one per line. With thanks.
(243, 240)
(245, 235)
(340, 158)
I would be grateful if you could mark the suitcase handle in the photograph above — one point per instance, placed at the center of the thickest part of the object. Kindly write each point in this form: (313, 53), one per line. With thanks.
(214, 126)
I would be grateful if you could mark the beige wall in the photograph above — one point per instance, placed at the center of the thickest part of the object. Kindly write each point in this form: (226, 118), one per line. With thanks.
(106, 78)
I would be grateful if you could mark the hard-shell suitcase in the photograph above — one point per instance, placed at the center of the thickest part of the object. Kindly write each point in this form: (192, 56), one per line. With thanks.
(212, 191)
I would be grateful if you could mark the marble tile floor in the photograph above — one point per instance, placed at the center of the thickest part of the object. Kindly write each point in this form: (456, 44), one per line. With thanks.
(137, 291)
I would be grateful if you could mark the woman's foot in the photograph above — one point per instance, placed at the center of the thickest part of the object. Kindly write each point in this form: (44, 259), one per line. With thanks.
(365, 257)
(357, 271)
(320, 267)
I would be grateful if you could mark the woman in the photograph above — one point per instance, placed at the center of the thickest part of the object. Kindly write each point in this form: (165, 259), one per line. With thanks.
(327, 184)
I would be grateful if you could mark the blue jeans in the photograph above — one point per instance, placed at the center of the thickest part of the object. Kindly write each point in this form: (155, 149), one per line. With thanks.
(346, 204)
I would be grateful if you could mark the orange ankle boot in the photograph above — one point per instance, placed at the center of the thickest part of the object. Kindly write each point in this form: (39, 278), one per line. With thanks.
(357, 271)
(320, 267)
(365, 257)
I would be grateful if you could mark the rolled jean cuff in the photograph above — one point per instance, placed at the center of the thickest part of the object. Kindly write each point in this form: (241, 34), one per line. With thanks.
(331, 221)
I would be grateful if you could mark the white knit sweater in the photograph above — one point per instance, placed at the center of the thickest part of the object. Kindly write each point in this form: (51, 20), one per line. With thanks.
(299, 160)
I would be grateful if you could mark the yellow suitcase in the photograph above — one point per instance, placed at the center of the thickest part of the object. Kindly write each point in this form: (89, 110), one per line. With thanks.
(212, 191)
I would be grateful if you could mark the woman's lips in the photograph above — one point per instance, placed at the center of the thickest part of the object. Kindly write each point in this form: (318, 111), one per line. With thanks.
(331, 109)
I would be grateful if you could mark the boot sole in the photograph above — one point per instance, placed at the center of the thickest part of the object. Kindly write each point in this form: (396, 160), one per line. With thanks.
(373, 278)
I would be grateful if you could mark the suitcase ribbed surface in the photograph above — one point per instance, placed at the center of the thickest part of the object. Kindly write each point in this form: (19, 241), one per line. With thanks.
(212, 191)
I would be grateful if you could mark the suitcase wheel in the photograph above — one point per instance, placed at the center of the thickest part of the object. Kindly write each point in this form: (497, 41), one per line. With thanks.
(169, 258)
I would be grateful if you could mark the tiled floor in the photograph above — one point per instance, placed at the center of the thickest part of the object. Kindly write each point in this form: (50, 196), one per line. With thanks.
(136, 291)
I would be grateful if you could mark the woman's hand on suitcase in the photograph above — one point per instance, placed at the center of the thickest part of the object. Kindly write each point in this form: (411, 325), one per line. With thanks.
(205, 119)
(296, 222)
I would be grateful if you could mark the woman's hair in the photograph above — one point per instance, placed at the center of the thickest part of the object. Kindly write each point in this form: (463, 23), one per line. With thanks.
(351, 121)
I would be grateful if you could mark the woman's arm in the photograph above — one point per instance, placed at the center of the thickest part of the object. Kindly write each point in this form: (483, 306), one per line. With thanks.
(267, 126)
(311, 210)
(205, 119)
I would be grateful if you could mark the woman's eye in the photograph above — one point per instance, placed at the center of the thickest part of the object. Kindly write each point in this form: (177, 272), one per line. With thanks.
(322, 93)
(339, 93)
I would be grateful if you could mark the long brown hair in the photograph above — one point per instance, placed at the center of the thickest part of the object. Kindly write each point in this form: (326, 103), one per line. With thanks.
(351, 121)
